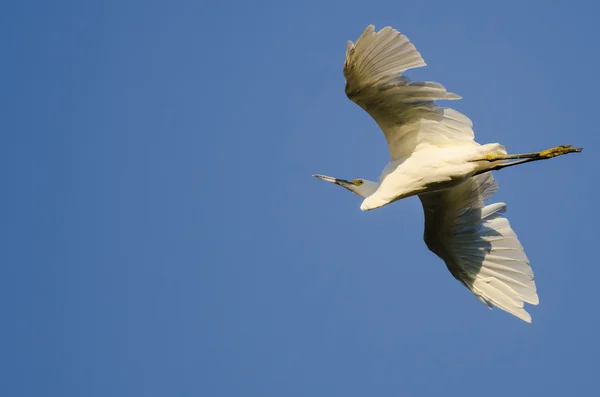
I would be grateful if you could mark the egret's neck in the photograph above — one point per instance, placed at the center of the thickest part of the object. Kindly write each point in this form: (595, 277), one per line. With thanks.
(366, 189)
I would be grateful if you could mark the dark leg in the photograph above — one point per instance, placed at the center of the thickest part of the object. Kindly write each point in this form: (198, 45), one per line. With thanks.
(546, 154)
(527, 157)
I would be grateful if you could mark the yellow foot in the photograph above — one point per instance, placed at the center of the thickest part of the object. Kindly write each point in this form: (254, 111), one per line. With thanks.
(492, 157)
(559, 151)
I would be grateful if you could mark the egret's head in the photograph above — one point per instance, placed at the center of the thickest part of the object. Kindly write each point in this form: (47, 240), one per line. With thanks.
(362, 187)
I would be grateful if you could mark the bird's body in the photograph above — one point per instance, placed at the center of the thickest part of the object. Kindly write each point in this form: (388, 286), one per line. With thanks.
(434, 155)
(428, 170)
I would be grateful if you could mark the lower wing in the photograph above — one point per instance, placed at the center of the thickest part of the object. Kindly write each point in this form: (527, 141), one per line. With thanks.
(478, 245)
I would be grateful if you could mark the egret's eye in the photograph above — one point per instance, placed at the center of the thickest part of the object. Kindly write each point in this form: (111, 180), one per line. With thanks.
(358, 182)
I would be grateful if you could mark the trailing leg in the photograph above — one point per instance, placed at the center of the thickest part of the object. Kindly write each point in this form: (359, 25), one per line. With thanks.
(526, 157)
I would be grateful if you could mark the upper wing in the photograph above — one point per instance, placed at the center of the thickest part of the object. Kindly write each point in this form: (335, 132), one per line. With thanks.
(403, 110)
(478, 245)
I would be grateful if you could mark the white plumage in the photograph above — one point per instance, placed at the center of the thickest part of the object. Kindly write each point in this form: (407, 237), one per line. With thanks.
(404, 110)
(434, 155)
(478, 245)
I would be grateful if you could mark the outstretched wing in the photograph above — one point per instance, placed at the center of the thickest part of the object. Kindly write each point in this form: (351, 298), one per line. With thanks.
(404, 110)
(478, 245)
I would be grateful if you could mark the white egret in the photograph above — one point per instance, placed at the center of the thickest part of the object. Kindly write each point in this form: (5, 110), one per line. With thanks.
(434, 155)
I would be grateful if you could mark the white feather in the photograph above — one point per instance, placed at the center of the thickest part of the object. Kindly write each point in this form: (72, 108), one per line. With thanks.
(479, 246)
(404, 110)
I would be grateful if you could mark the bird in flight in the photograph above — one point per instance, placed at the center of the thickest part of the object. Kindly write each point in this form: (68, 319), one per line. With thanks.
(434, 156)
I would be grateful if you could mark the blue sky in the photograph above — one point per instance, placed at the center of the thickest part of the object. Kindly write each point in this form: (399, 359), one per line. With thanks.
(163, 236)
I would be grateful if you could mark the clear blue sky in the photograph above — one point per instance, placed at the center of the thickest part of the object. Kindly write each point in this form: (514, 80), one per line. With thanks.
(162, 234)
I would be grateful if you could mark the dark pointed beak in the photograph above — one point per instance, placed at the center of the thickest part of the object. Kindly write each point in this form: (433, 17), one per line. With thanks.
(341, 182)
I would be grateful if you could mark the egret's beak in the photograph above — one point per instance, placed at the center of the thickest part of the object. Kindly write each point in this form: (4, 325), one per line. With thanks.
(341, 182)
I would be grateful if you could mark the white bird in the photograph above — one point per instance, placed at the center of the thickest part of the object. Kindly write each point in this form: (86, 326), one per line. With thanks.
(434, 155)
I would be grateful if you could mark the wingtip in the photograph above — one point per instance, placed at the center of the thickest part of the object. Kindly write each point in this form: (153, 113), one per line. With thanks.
(369, 29)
